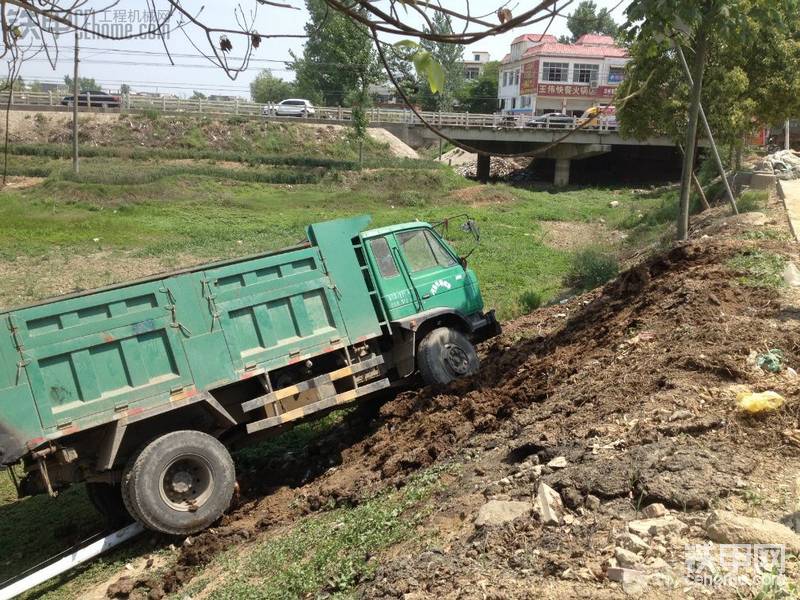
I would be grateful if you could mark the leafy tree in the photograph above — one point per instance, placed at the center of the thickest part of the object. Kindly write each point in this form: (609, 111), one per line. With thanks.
(480, 95)
(124, 89)
(268, 88)
(338, 57)
(740, 52)
(85, 84)
(196, 95)
(587, 19)
(402, 69)
(449, 58)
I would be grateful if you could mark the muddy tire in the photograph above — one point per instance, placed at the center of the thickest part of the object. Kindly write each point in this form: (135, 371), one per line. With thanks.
(107, 499)
(444, 355)
(179, 483)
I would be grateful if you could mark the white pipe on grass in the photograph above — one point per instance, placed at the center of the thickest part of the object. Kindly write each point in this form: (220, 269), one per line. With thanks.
(71, 560)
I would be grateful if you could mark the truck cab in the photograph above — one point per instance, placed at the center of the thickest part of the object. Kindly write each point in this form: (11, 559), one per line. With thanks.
(424, 286)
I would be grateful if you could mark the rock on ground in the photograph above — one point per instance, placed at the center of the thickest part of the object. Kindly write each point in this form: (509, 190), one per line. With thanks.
(498, 512)
(726, 527)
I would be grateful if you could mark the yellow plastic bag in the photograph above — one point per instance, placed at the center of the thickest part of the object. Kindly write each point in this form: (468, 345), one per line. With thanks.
(758, 402)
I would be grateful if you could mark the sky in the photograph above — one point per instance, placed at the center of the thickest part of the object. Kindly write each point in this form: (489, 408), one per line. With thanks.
(144, 66)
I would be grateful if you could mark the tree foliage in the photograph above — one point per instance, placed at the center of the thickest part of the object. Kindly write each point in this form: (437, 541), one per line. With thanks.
(338, 57)
(85, 84)
(447, 58)
(750, 79)
(268, 88)
(587, 19)
(480, 95)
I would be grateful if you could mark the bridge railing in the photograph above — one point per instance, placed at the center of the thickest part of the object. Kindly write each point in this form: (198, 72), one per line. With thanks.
(376, 115)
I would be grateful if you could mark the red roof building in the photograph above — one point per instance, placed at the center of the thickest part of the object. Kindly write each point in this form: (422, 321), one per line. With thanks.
(541, 75)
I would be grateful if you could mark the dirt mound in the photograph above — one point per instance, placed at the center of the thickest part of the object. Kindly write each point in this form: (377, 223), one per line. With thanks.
(632, 385)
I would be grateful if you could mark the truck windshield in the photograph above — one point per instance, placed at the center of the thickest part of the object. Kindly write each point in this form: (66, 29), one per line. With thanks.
(423, 251)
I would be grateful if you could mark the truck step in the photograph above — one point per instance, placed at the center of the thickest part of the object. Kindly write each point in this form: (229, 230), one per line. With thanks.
(317, 382)
(323, 404)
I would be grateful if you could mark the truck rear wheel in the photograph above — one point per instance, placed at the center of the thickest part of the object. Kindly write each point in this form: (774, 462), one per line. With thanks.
(444, 355)
(179, 483)
(107, 499)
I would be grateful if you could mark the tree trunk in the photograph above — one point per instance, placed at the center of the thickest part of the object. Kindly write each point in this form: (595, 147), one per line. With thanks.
(691, 132)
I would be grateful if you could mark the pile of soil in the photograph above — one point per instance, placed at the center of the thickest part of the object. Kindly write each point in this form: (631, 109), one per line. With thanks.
(632, 386)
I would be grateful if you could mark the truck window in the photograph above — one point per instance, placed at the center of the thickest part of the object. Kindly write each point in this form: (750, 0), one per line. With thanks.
(383, 256)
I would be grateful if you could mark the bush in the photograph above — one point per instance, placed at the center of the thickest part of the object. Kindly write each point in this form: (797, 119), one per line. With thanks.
(592, 267)
(529, 301)
(751, 201)
(151, 113)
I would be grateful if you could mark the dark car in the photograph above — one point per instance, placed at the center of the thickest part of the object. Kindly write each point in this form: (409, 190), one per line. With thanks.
(97, 99)
(552, 121)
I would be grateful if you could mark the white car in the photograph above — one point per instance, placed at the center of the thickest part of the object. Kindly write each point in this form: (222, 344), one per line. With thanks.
(292, 107)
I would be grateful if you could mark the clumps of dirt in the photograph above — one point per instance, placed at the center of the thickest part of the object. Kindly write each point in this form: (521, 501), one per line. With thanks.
(633, 384)
(568, 235)
(482, 195)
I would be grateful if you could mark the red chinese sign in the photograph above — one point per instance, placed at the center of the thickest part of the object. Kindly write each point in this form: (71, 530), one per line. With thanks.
(528, 78)
(576, 91)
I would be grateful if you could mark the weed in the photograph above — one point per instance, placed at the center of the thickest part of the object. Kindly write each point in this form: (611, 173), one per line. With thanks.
(530, 300)
(151, 114)
(330, 552)
(766, 234)
(592, 267)
(759, 269)
(752, 200)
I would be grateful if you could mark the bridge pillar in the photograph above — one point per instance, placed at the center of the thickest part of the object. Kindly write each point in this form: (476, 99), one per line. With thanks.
(562, 172)
(484, 163)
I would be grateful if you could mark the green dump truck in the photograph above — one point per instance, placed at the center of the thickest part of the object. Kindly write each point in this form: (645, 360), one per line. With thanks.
(140, 389)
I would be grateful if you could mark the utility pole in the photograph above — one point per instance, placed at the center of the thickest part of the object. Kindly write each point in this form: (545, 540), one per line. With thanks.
(786, 132)
(75, 91)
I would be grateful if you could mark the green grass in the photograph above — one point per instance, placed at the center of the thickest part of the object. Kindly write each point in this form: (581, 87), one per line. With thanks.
(332, 551)
(756, 268)
(206, 217)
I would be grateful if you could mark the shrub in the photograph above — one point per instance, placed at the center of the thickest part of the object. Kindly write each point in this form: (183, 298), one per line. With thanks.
(151, 113)
(752, 201)
(592, 267)
(529, 301)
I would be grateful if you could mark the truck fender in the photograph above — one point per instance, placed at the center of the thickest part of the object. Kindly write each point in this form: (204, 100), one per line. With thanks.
(409, 331)
(115, 433)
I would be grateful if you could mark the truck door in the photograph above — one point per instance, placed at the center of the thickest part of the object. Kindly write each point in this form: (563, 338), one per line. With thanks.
(416, 272)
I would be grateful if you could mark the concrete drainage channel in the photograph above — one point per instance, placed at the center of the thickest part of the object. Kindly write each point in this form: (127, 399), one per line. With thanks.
(68, 560)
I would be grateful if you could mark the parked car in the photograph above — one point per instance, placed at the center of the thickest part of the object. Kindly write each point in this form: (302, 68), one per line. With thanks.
(292, 107)
(94, 98)
(595, 116)
(557, 120)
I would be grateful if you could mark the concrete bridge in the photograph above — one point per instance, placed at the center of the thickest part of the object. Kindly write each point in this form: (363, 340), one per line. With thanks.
(518, 138)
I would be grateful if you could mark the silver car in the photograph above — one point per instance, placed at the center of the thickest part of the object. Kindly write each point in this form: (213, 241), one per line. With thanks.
(292, 107)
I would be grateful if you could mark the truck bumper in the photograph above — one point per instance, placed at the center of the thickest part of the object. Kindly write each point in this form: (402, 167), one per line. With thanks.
(485, 326)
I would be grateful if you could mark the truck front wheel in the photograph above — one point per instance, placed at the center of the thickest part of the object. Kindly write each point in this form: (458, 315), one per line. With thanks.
(444, 355)
(179, 483)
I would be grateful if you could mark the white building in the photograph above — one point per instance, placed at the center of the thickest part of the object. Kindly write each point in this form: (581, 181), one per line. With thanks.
(540, 75)
(474, 63)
